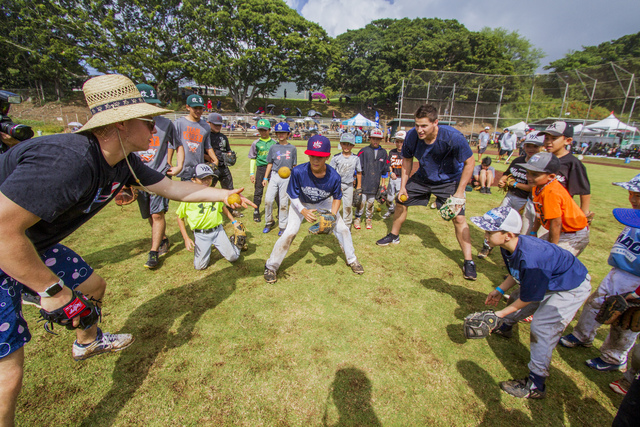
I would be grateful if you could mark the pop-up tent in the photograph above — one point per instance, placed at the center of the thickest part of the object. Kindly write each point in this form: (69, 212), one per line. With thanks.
(519, 128)
(611, 124)
(359, 120)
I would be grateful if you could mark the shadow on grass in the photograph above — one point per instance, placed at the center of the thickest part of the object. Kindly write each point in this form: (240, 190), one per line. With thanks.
(564, 398)
(307, 246)
(350, 392)
(150, 324)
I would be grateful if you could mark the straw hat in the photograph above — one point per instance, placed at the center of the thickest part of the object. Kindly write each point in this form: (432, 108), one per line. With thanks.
(114, 98)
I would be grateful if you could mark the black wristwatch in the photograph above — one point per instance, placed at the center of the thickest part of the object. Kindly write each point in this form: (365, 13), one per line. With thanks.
(52, 290)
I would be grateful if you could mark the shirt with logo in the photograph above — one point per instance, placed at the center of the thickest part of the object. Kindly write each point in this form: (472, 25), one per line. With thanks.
(625, 253)
(395, 162)
(194, 137)
(553, 201)
(520, 174)
(201, 215)
(282, 156)
(155, 156)
(374, 162)
(220, 144)
(573, 176)
(346, 166)
(304, 185)
(260, 149)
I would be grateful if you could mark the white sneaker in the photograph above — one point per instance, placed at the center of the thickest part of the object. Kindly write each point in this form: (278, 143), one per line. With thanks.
(107, 343)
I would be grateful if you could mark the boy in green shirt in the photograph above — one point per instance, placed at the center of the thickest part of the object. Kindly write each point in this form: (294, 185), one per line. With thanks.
(258, 165)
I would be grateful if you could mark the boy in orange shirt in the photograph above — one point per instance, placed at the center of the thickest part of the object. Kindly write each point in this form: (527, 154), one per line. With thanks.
(555, 209)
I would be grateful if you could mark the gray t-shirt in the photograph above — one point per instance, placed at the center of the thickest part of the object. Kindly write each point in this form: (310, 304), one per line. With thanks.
(194, 137)
(346, 167)
(477, 169)
(156, 155)
(483, 139)
(282, 155)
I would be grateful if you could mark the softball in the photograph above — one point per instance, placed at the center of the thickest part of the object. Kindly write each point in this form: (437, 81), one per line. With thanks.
(284, 172)
(234, 199)
(402, 198)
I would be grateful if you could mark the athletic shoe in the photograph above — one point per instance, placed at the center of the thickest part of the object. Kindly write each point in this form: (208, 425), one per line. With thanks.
(29, 298)
(268, 227)
(469, 270)
(621, 386)
(356, 223)
(601, 365)
(237, 214)
(256, 215)
(388, 239)
(369, 224)
(484, 252)
(433, 205)
(387, 215)
(164, 247)
(527, 319)
(270, 275)
(570, 341)
(152, 262)
(482, 190)
(487, 190)
(524, 389)
(356, 267)
(104, 343)
(504, 331)
(280, 232)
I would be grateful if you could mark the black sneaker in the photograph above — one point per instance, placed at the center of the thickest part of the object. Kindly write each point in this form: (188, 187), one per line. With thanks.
(270, 275)
(524, 389)
(504, 331)
(486, 250)
(256, 216)
(152, 262)
(30, 298)
(469, 270)
(488, 190)
(164, 247)
(388, 239)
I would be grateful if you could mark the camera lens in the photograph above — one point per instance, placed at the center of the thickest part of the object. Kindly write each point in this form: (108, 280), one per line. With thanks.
(19, 132)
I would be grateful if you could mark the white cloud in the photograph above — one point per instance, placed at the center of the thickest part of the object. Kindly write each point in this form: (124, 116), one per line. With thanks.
(338, 16)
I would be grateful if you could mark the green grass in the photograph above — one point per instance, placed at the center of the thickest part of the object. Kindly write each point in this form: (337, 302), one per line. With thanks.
(322, 346)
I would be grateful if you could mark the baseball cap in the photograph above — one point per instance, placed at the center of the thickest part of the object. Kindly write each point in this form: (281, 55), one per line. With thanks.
(633, 185)
(215, 119)
(148, 93)
(348, 137)
(283, 127)
(195, 101)
(535, 138)
(376, 133)
(628, 217)
(487, 128)
(263, 124)
(401, 135)
(543, 162)
(503, 218)
(318, 145)
(202, 171)
(559, 128)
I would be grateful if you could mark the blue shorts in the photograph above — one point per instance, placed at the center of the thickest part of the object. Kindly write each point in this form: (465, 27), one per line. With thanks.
(14, 332)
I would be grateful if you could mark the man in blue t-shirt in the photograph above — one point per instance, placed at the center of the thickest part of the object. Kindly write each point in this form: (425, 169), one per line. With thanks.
(446, 166)
(553, 286)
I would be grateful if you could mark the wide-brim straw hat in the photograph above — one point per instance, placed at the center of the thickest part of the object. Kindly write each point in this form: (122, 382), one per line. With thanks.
(113, 98)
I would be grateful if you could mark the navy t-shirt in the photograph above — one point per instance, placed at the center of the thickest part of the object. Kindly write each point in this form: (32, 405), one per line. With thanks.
(540, 267)
(304, 185)
(64, 180)
(442, 161)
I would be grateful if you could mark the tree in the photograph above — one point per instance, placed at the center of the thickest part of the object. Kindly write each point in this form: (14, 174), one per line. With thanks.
(525, 57)
(372, 60)
(252, 46)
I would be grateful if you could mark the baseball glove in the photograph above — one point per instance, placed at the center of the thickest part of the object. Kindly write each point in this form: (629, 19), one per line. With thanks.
(630, 319)
(508, 183)
(381, 195)
(590, 217)
(79, 306)
(126, 196)
(452, 208)
(357, 198)
(480, 324)
(326, 223)
(229, 158)
(611, 309)
(239, 237)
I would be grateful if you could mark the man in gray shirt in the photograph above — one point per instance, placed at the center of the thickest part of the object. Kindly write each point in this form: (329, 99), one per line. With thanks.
(483, 141)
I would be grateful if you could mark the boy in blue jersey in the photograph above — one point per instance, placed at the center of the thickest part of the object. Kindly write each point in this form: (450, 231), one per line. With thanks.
(313, 186)
(553, 285)
(623, 278)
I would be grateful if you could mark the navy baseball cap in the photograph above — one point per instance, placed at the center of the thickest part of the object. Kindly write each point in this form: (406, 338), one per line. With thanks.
(282, 127)
(628, 217)
(503, 218)
(215, 119)
(318, 145)
(559, 128)
(195, 101)
(148, 93)
(543, 162)
(633, 185)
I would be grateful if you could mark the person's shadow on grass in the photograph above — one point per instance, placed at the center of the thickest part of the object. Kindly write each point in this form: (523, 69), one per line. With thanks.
(350, 392)
(514, 356)
(309, 242)
(151, 323)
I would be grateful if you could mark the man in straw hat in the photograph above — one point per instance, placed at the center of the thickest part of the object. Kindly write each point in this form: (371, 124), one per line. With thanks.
(80, 173)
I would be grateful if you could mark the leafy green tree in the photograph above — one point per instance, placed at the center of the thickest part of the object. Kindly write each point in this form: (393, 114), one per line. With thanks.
(252, 46)
(525, 57)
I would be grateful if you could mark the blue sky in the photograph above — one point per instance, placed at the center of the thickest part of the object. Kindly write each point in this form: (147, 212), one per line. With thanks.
(555, 26)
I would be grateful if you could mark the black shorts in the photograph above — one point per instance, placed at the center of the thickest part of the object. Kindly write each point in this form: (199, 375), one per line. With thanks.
(419, 193)
(481, 150)
(507, 152)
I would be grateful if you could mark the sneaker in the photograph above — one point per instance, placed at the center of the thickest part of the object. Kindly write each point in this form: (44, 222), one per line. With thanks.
(104, 343)
(486, 250)
(483, 190)
(268, 227)
(164, 247)
(621, 386)
(369, 224)
(280, 232)
(387, 215)
(29, 298)
(356, 223)
(270, 275)
(570, 341)
(504, 331)
(527, 319)
(237, 214)
(433, 205)
(388, 239)
(152, 262)
(524, 389)
(256, 215)
(487, 190)
(601, 365)
(469, 270)
(356, 267)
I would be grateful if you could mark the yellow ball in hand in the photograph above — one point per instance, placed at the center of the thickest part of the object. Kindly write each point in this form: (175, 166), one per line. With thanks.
(234, 199)
(403, 198)
(284, 172)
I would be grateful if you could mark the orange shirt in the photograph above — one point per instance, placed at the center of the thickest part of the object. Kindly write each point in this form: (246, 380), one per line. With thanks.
(555, 202)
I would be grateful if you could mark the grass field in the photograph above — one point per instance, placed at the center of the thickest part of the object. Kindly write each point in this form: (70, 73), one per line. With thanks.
(322, 346)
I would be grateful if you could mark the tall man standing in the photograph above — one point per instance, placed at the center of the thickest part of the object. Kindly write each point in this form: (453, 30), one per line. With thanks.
(445, 167)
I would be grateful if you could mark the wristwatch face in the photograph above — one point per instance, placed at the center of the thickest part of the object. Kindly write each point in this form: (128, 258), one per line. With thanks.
(53, 289)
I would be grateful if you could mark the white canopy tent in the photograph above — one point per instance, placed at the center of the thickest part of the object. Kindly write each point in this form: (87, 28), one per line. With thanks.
(359, 120)
(611, 124)
(519, 129)
(581, 130)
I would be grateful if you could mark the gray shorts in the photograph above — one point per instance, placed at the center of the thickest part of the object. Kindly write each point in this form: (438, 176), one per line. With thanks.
(151, 204)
